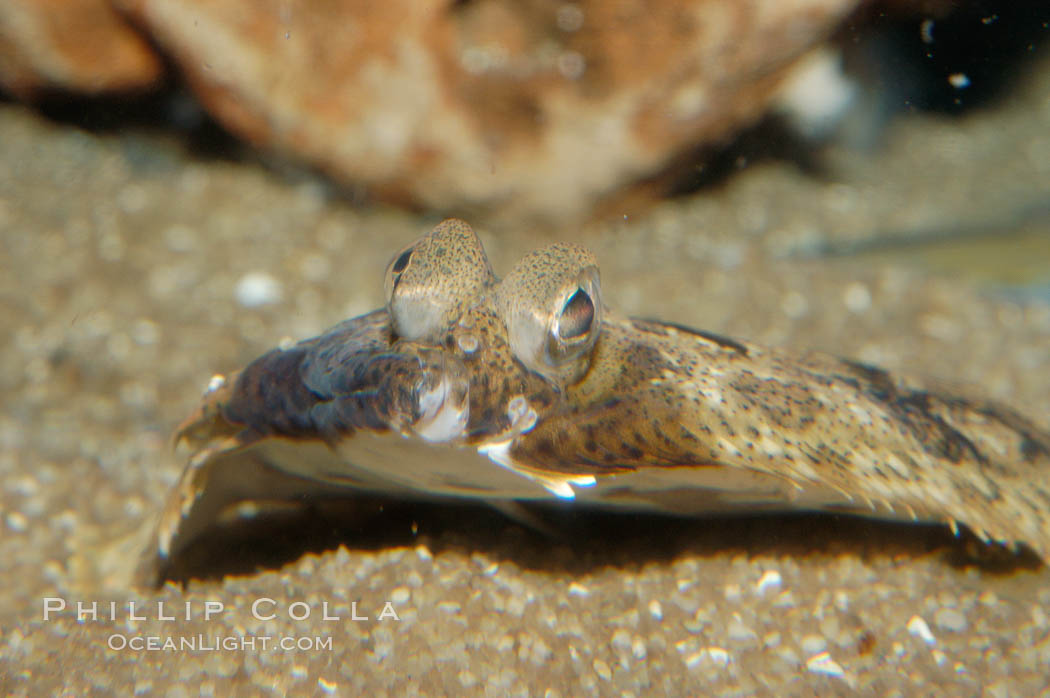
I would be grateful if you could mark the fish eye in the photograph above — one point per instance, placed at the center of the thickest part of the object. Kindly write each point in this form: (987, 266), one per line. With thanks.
(402, 261)
(576, 317)
(431, 282)
(551, 305)
(395, 269)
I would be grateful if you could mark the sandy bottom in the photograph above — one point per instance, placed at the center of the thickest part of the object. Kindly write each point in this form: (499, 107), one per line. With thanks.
(126, 268)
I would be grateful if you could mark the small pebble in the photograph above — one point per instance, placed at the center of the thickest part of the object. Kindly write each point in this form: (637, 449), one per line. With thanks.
(602, 669)
(812, 644)
(857, 297)
(918, 627)
(621, 640)
(180, 238)
(16, 522)
(794, 305)
(822, 663)
(577, 589)
(950, 619)
(738, 632)
(770, 580)
(718, 655)
(258, 288)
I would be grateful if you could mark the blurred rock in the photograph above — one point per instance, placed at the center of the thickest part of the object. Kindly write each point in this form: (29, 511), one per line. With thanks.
(535, 107)
(541, 108)
(77, 45)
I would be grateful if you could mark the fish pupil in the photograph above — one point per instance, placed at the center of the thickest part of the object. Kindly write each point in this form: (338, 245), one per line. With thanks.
(577, 316)
(401, 262)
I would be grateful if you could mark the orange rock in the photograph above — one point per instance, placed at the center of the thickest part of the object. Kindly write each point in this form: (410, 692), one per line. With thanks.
(77, 45)
(525, 107)
(521, 107)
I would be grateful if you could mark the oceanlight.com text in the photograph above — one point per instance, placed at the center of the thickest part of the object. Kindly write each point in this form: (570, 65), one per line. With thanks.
(120, 642)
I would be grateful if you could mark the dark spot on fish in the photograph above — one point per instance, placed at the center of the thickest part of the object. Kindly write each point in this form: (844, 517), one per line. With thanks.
(651, 326)
(937, 436)
(545, 447)
(660, 328)
(877, 381)
(1032, 449)
(1034, 444)
(851, 382)
(663, 437)
(917, 413)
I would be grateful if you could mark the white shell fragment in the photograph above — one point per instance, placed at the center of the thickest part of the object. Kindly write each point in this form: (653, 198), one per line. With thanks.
(919, 628)
(822, 663)
(770, 581)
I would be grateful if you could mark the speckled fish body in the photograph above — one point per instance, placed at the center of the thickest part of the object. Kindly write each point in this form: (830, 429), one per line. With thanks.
(364, 445)
(636, 414)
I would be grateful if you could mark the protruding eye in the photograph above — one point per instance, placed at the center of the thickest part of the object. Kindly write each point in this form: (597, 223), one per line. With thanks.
(551, 304)
(402, 261)
(432, 281)
(577, 316)
(397, 266)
